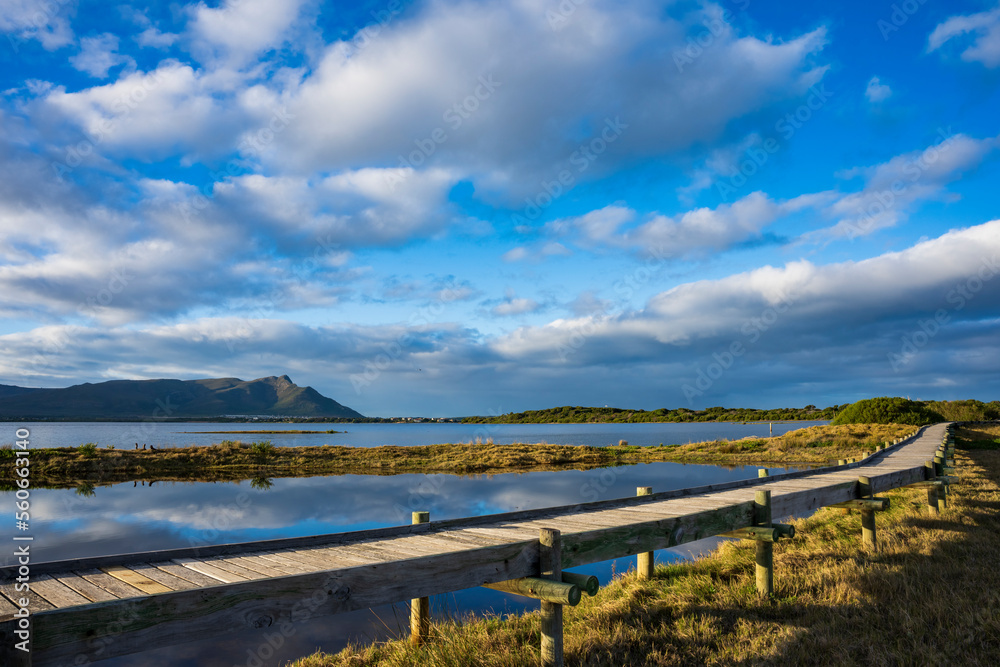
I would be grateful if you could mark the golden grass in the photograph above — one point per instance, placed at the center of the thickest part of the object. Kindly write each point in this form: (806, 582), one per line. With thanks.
(929, 596)
(235, 460)
(816, 444)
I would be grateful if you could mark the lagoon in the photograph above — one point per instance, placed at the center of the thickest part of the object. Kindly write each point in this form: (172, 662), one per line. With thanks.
(180, 434)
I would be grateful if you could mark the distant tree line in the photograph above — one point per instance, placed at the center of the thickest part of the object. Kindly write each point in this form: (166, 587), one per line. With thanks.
(582, 415)
(882, 410)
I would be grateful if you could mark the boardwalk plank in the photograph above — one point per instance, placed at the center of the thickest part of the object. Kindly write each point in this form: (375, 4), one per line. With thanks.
(91, 591)
(115, 586)
(140, 581)
(55, 593)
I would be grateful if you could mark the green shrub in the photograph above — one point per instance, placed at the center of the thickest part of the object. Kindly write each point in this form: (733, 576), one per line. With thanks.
(262, 449)
(887, 410)
(89, 450)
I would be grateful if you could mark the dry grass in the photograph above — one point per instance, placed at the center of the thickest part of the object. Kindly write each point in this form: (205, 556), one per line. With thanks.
(816, 444)
(931, 595)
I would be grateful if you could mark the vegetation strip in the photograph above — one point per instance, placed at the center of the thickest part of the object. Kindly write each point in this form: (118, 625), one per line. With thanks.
(261, 432)
(67, 467)
(928, 594)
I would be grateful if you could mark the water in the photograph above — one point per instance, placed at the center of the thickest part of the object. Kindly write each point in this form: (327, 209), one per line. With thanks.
(179, 434)
(125, 518)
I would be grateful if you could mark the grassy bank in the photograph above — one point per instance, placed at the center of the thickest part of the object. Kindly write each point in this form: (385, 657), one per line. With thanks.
(235, 460)
(929, 596)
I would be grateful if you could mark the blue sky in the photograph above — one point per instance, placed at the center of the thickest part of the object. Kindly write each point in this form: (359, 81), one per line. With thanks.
(448, 208)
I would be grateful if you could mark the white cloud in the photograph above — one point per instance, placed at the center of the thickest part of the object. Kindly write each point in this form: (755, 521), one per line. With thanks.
(876, 91)
(503, 119)
(893, 188)
(238, 30)
(37, 19)
(98, 55)
(692, 233)
(152, 38)
(818, 307)
(985, 42)
(514, 305)
(172, 109)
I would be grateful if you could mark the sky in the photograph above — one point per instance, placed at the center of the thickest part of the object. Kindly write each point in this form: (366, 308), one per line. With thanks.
(463, 207)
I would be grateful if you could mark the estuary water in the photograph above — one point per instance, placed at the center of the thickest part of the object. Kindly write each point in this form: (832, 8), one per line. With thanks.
(122, 518)
(184, 434)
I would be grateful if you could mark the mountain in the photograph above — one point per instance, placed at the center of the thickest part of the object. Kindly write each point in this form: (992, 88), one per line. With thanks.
(131, 399)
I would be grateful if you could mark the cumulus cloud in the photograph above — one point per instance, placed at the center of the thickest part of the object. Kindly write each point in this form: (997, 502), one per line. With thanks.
(238, 30)
(98, 55)
(514, 305)
(983, 43)
(689, 234)
(876, 91)
(891, 189)
(48, 22)
(495, 109)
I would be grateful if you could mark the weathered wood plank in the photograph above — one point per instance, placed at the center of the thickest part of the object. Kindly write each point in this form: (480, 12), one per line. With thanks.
(225, 576)
(35, 603)
(55, 593)
(133, 578)
(186, 574)
(234, 568)
(156, 574)
(116, 587)
(89, 590)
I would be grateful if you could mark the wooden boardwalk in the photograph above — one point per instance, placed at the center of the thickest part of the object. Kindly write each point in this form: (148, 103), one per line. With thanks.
(102, 607)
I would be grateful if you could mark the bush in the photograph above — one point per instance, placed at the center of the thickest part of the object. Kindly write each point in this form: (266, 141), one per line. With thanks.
(262, 449)
(887, 410)
(89, 450)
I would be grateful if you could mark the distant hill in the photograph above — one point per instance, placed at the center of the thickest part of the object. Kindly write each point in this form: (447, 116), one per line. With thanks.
(139, 399)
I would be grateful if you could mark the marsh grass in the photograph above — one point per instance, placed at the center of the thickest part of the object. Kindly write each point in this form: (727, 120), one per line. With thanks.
(930, 595)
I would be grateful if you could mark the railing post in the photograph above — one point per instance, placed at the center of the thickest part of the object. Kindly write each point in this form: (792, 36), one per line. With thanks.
(942, 496)
(765, 550)
(420, 608)
(761, 472)
(932, 492)
(644, 561)
(868, 539)
(550, 566)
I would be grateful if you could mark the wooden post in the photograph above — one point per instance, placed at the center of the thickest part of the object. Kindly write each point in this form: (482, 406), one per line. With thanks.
(932, 492)
(644, 561)
(420, 608)
(550, 565)
(765, 550)
(868, 539)
(761, 472)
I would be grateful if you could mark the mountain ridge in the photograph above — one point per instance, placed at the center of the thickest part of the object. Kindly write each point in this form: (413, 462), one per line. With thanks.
(274, 396)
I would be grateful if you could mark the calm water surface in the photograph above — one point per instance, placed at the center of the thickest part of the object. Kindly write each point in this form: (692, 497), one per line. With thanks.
(126, 434)
(126, 518)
